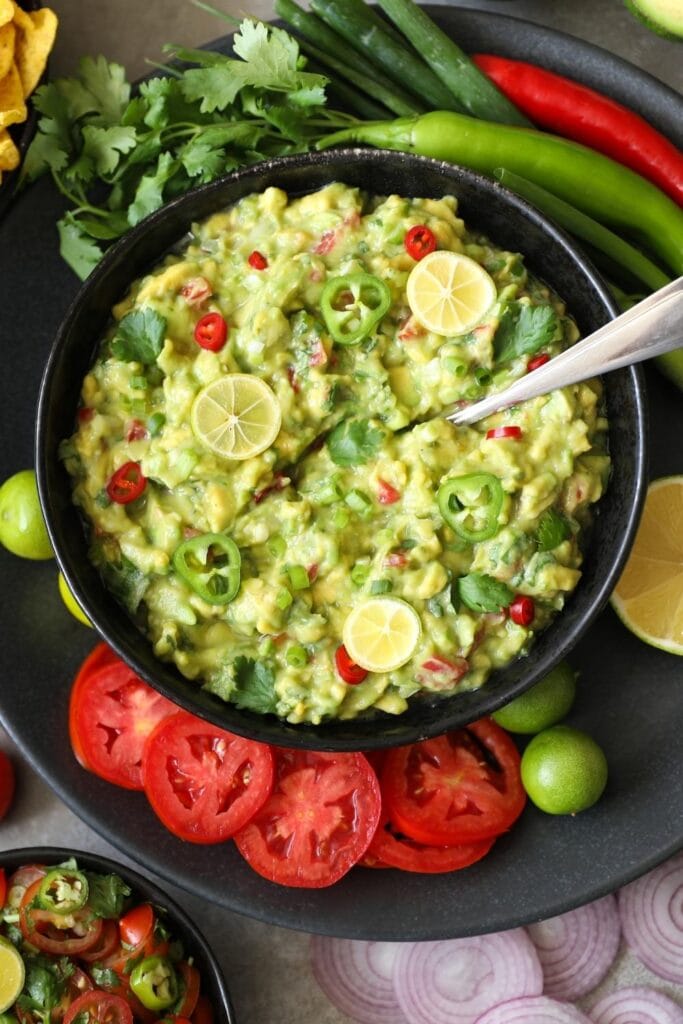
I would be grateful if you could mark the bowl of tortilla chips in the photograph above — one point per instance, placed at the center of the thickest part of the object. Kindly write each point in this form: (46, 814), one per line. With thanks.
(27, 34)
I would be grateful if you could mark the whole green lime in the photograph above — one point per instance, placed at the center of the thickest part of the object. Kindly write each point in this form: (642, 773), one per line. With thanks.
(22, 529)
(545, 703)
(564, 771)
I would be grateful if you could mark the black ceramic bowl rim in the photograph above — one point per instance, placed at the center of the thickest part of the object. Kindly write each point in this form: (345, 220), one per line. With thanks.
(213, 982)
(83, 326)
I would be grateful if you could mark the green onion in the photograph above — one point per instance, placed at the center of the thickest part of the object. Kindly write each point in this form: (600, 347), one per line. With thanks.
(474, 392)
(482, 376)
(283, 599)
(266, 647)
(358, 501)
(328, 493)
(155, 423)
(296, 656)
(408, 543)
(455, 366)
(277, 546)
(359, 574)
(341, 518)
(381, 586)
(138, 383)
(298, 577)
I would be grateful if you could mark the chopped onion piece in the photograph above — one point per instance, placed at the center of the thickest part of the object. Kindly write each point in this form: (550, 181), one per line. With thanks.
(455, 981)
(577, 949)
(357, 978)
(651, 910)
(533, 1010)
(637, 1006)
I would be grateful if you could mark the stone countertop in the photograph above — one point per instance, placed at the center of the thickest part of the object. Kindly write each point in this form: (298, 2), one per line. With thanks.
(267, 968)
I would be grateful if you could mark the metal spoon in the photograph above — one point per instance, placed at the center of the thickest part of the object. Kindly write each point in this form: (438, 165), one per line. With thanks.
(648, 329)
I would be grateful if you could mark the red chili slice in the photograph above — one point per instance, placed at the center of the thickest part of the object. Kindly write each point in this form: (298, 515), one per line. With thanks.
(396, 560)
(191, 981)
(85, 414)
(419, 241)
(204, 783)
(350, 672)
(99, 1007)
(211, 332)
(537, 361)
(387, 495)
(108, 943)
(500, 432)
(136, 431)
(126, 484)
(257, 260)
(522, 610)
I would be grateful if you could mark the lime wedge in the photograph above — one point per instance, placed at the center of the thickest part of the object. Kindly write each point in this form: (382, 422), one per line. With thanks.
(449, 293)
(381, 634)
(236, 416)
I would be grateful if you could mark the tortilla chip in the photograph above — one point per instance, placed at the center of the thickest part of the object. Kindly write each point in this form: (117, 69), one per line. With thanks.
(6, 11)
(9, 154)
(33, 47)
(7, 37)
(21, 18)
(12, 106)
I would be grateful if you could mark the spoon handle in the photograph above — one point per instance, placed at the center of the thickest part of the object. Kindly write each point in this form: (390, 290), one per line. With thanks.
(648, 329)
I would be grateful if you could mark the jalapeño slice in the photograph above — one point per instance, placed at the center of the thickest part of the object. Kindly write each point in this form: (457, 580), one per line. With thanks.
(210, 565)
(353, 305)
(471, 504)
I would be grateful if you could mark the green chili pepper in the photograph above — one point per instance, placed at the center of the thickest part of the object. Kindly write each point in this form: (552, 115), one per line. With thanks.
(210, 565)
(155, 982)
(470, 505)
(352, 305)
(63, 891)
(602, 188)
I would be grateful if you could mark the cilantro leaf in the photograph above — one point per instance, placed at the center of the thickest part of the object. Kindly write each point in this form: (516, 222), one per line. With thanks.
(79, 251)
(106, 894)
(254, 686)
(139, 336)
(149, 192)
(552, 530)
(106, 83)
(126, 582)
(105, 977)
(483, 593)
(203, 162)
(523, 330)
(354, 442)
(104, 146)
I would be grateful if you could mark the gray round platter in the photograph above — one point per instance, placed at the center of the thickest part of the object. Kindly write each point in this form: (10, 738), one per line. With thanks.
(630, 697)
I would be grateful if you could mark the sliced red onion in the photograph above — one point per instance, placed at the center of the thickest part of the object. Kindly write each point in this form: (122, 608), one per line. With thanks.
(637, 1006)
(455, 981)
(533, 1010)
(577, 949)
(357, 978)
(651, 911)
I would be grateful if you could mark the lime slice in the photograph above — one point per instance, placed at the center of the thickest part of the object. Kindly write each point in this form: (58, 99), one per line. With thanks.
(649, 596)
(71, 602)
(381, 634)
(11, 974)
(449, 293)
(236, 416)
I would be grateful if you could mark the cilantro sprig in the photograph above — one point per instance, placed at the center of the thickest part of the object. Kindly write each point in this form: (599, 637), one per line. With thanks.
(118, 156)
(354, 442)
(524, 329)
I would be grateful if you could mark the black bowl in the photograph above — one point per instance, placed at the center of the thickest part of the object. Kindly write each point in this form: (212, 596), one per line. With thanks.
(194, 943)
(485, 206)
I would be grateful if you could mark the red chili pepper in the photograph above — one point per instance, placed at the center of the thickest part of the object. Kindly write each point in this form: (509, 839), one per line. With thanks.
(293, 381)
(387, 495)
(318, 356)
(136, 431)
(257, 260)
(579, 113)
(312, 571)
(419, 241)
(211, 332)
(126, 484)
(396, 560)
(85, 414)
(522, 610)
(537, 361)
(326, 243)
(500, 432)
(278, 484)
(350, 672)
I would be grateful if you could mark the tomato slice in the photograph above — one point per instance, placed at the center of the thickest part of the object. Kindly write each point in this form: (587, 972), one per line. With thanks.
(97, 1007)
(112, 712)
(390, 849)
(137, 926)
(77, 983)
(319, 821)
(47, 933)
(204, 1012)
(459, 788)
(204, 783)
(98, 657)
(108, 943)
(191, 981)
(20, 880)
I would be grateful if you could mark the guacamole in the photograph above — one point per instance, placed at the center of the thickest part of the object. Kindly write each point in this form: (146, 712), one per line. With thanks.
(244, 571)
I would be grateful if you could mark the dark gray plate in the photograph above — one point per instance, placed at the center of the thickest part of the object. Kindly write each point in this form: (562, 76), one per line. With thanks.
(630, 696)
